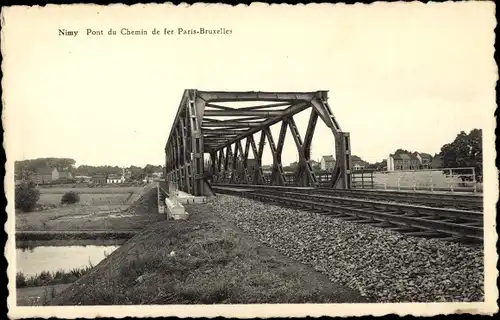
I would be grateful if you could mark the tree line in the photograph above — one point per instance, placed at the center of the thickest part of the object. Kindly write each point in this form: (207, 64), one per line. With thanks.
(31, 167)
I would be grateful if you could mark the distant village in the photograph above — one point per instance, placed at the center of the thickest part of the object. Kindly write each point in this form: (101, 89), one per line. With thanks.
(401, 160)
(57, 175)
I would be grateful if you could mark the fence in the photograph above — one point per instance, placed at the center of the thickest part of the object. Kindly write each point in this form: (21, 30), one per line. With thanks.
(363, 179)
(445, 179)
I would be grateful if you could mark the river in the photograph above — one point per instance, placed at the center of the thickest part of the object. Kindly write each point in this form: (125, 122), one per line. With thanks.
(33, 260)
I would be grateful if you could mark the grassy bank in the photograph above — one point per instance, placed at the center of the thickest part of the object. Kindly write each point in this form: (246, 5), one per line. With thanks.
(203, 260)
(46, 278)
(38, 296)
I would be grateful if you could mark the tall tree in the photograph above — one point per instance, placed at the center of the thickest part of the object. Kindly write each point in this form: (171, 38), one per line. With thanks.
(33, 165)
(149, 169)
(465, 151)
(402, 151)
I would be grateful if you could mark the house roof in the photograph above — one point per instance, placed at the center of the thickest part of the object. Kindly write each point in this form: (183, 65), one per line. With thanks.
(328, 158)
(414, 156)
(45, 170)
(425, 155)
(114, 176)
(357, 159)
(401, 156)
(100, 175)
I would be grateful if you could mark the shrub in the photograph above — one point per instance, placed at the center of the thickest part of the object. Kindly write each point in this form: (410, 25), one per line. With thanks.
(26, 196)
(20, 280)
(70, 198)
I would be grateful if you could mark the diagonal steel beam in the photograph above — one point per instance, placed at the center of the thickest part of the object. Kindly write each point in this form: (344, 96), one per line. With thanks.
(257, 153)
(279, 174)
(304, 163)
(311, 128)
(243, 172)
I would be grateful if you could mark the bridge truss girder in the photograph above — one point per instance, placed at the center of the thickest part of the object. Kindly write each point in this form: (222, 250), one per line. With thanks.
(197, 130)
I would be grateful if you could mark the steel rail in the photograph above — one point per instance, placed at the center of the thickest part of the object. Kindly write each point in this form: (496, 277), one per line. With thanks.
(473, 202)
(398, 207)
(296, 199)
(441, 200)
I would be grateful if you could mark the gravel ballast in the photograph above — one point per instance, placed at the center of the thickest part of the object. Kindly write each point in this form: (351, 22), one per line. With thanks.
(383, 265)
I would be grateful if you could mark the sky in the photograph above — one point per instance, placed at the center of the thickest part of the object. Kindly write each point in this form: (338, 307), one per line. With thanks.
(399, 75)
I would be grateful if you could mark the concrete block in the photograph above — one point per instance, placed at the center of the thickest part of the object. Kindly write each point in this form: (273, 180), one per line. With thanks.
(191, 200)
(175, 210)
(186, 198)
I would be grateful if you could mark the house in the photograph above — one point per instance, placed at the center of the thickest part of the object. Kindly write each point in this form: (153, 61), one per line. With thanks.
(115, 178)
(148, 179)
(127, 173)
(401, 161)
(358, 163)
(294, 165)
(157, 174)
(99, 178)
(83, 179)
(415, 161)
(426, 161)
(327, 163)
(46, 175)
(314, 163)
(267, 169)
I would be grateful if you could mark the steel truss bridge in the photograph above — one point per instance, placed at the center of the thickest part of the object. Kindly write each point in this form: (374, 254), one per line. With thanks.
(204, 125)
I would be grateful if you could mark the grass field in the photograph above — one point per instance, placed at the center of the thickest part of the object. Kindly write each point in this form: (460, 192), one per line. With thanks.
(92, 196)
(87, 198)
(96, 190)
(98, 209)
(421, 180)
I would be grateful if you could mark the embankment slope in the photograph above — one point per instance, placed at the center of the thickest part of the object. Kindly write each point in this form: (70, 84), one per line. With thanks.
(203, 260)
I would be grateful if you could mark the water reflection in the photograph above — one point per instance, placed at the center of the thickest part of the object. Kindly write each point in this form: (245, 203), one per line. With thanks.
(32, 260)
(31, 244)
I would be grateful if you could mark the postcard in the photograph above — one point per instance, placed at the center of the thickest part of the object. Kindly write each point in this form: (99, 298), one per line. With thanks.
(250, 160)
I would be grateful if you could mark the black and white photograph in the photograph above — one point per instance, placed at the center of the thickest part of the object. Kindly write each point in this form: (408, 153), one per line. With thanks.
(250, 160)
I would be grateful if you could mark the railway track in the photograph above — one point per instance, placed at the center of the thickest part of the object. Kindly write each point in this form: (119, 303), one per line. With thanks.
(411, 219)
(440, 200)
